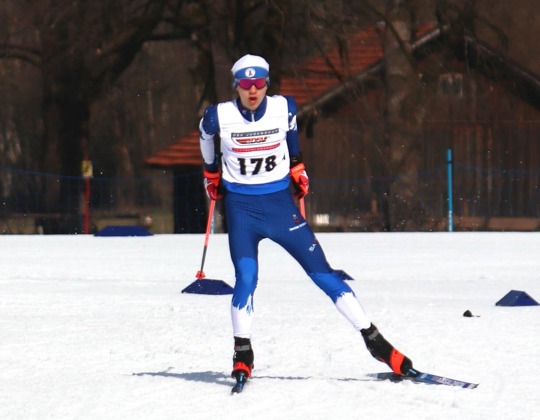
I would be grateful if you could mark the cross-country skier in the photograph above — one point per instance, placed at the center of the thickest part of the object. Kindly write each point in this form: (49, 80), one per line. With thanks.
(259, 158)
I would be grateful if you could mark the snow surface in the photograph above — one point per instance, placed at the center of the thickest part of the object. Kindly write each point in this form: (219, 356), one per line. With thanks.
(96, 328)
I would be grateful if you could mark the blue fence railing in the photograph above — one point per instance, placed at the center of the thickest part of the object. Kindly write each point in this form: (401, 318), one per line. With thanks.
(27, 195)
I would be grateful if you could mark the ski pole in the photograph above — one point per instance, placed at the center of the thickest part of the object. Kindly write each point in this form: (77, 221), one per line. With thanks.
(200, 273)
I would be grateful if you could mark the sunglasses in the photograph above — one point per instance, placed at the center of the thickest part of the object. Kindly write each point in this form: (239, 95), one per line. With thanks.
(247, 83)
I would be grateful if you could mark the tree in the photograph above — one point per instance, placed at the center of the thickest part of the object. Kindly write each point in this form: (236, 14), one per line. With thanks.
(81, 51)
(405, 108)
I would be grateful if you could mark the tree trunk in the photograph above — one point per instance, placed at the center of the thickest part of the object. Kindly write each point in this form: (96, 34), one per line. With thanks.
(66, 117)
(402, 123)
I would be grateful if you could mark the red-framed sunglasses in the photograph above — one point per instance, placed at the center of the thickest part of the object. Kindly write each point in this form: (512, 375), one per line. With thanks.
(246, 84)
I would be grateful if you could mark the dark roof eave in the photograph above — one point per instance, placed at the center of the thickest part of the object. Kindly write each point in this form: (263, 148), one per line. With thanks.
(343, 90)
(362, 79)
(529, 82)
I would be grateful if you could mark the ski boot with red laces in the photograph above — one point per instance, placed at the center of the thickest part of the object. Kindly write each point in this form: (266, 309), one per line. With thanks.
(384, 352)
(242, 358)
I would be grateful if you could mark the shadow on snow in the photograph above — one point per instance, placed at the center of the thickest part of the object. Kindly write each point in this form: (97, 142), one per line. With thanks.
(223, 379)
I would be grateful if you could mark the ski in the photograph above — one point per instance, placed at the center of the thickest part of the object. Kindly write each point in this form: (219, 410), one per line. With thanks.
(240, 382)
(421, 377)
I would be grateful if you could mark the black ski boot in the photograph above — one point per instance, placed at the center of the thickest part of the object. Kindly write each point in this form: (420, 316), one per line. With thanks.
(242, 358)
(384, 352)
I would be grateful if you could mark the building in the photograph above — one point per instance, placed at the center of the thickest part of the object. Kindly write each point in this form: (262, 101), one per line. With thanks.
(479, 104)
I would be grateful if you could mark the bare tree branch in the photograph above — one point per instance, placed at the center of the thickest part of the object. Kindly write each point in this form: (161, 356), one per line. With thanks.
(20, 52)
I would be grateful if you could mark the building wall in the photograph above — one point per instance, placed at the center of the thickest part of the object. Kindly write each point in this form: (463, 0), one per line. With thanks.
(496, 147)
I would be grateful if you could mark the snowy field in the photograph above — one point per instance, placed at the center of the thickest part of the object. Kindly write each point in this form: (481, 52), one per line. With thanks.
(96, 328)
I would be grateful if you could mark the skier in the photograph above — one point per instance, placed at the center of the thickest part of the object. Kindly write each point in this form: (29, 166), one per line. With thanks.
(259, 158)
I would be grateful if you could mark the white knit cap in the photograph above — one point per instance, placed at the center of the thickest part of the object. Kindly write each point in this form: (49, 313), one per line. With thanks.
(250, 67)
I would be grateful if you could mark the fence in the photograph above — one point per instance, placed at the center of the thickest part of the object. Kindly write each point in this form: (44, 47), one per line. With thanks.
(482, 198)
(28, 206)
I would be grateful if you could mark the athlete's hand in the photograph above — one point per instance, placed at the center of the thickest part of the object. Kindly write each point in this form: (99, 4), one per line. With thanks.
(300, 180)
(211, 184)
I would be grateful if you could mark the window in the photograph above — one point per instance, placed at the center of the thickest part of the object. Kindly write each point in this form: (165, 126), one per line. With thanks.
(451, 84)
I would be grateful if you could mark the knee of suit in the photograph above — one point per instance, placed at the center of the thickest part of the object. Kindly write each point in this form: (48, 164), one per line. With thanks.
(331, 284)
(246, 281)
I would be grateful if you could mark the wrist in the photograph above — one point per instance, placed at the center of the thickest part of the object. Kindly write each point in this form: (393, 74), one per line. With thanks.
(211, 167)
(296, 159)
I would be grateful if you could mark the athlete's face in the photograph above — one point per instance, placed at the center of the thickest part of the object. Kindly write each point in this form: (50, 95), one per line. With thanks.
(251, 97)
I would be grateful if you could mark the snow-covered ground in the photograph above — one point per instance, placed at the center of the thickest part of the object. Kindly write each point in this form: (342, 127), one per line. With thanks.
(96, 328)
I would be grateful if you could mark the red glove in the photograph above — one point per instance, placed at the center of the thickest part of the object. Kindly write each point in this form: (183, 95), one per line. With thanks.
(300, 180)
(211, 183)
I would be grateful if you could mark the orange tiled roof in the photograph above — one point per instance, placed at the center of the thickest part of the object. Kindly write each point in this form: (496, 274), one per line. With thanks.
(320, 73)
(306, 82)
(185, 151)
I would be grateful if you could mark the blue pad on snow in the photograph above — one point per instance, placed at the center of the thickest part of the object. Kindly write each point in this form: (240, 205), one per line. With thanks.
(123, 231)
(209, 287)
(517, 298)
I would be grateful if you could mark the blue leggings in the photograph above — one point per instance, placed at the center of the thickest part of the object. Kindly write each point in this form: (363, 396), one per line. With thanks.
(251, 218)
